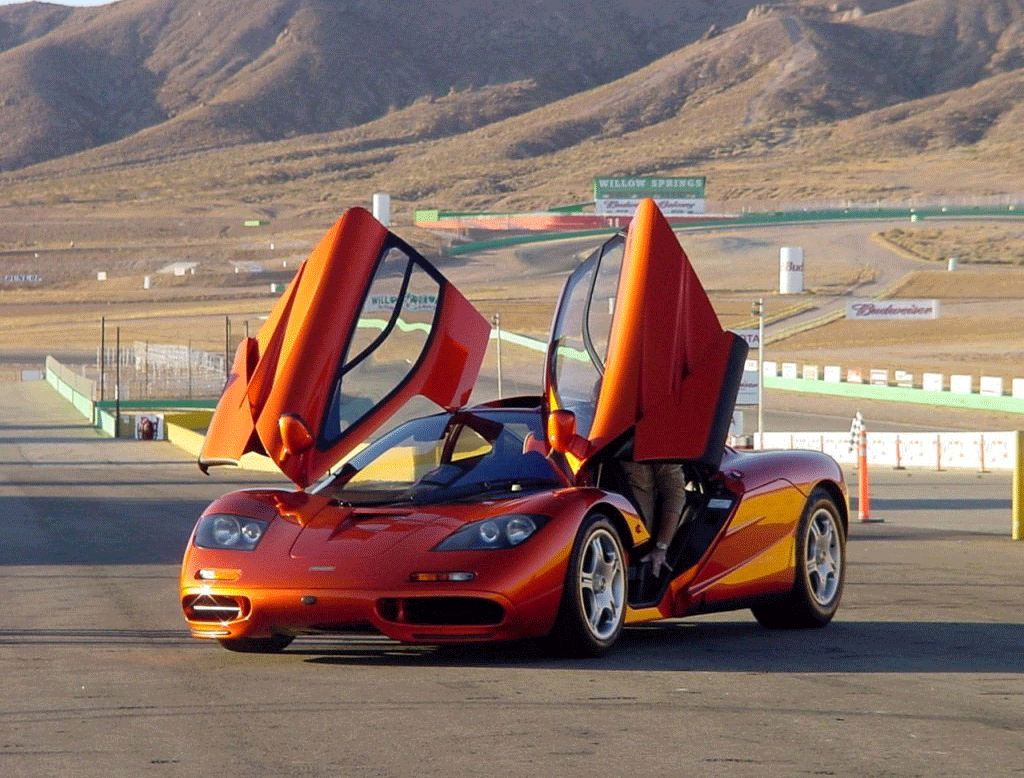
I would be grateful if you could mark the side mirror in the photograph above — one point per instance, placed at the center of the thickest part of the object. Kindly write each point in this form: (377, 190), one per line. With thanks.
(561, 430)
(295, 434)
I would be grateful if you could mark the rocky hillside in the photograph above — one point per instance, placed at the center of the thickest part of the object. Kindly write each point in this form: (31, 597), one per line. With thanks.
(202, 73)
(476, 103)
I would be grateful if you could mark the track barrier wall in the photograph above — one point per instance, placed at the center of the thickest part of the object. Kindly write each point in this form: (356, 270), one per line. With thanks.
(978, 451)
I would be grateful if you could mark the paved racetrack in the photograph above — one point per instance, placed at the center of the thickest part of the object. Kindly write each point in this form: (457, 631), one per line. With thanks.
(922, 674)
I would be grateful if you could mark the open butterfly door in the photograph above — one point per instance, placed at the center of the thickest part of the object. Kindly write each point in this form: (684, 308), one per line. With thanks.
(637, 353)
(365, 325)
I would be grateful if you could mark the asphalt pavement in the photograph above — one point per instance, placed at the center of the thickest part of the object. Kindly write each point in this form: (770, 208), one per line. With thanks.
(921, 673)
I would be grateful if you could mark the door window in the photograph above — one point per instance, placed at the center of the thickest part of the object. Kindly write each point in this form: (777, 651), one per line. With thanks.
(392, 332)
(582, 332)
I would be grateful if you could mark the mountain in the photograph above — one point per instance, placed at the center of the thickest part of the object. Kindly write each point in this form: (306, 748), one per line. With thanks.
(475, 103)
(210, 72)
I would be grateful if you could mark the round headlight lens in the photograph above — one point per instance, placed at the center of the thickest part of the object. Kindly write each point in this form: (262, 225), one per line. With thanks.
(226, 530)
(490, 532)
(493, 534)
(252, 532)
(519, 528)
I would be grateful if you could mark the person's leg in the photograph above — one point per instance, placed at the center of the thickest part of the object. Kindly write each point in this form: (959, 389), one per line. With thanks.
(640, 476)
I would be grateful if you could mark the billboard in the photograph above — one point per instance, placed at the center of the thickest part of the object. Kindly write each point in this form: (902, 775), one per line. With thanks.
(865, 310)
(675, 196)
(747, 394)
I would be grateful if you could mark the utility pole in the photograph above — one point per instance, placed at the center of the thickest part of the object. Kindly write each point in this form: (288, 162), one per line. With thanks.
(117, 385)
(496, 323)
(758, 310)
(103, 354)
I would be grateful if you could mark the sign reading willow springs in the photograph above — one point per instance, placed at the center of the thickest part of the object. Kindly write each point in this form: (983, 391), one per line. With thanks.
(675, 196)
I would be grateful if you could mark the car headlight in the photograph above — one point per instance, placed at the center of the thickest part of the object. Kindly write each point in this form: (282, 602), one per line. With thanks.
(222, 530)
(490, 534)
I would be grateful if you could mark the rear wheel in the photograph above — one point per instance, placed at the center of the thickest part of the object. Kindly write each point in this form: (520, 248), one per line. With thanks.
(820, 570)
(272, 645)
(593, 607)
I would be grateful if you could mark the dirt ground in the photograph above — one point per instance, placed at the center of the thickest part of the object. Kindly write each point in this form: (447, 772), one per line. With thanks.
(202, 278)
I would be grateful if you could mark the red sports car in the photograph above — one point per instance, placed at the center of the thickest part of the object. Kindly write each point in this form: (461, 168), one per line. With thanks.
(428, 521)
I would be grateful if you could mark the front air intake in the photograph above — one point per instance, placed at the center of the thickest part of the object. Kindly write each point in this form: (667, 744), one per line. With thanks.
(450, 611)
(214, 607)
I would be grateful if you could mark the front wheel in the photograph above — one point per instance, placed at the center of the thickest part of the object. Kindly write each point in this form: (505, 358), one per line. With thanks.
(820, 570)
(272, 645)
(593, 607)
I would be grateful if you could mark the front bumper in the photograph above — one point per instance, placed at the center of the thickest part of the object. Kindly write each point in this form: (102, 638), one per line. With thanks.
(421, 615)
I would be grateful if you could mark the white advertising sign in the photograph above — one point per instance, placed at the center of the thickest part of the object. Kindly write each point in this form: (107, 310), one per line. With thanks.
(1018, 387)
(675, 196)
(991, 386)
(411, 302)
(865, 310)
(961, 384)
(933, 382)
(879, 377)
(789, 369)
(904, 379)
(668, 207)
(747, 394)
(833, 374)
(810, 373)
(23, 278)
(752, 337)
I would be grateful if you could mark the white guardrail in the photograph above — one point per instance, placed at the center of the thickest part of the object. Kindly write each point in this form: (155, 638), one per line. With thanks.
(978, 451)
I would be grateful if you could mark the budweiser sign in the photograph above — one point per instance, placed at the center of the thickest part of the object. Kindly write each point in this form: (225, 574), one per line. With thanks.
(892, 309)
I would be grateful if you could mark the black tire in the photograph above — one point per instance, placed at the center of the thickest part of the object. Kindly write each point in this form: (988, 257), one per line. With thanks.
(272, 645)
(820, 570)
(593, 607)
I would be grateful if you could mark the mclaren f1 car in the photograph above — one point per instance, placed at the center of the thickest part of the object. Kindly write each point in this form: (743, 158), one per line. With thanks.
(420, 517)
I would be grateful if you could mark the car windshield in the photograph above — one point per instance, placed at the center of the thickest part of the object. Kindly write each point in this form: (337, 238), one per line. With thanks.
(445, 457)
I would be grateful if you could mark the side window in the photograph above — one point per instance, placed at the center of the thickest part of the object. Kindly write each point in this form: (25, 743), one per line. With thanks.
(574, 376)
(393, 329)
(582, 332)
(602, 300)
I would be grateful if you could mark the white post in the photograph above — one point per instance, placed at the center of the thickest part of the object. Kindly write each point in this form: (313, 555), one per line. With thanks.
(760, 374)
(497, 345)
(791, 270)
(1017, 522)
(382, 208)
(757, 308)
